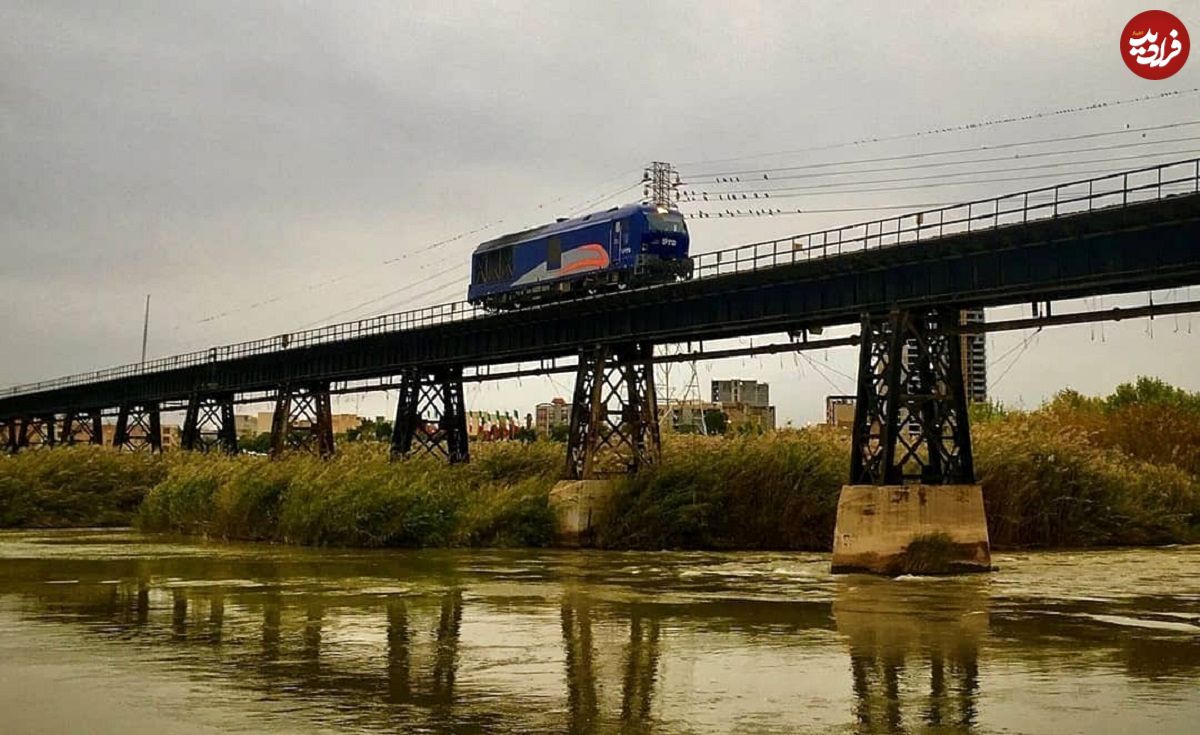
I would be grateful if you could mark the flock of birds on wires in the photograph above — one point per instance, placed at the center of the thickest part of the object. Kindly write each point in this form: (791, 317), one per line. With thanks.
(776, 184)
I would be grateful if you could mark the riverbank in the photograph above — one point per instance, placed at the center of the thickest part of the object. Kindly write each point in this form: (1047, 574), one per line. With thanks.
(1077, 472)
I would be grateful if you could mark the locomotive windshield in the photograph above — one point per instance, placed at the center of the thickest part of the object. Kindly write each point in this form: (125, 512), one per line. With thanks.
(669, 222)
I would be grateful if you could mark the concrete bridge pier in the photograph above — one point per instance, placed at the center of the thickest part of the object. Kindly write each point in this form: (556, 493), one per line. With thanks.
(912, 504)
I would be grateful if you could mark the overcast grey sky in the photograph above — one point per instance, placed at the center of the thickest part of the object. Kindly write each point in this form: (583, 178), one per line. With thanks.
(256, 165)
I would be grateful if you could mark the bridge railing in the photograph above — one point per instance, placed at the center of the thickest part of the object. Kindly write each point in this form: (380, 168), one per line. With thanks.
(1113, 190)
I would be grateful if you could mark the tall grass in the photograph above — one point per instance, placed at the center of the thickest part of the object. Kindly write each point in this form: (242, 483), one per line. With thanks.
(775, 491)
(359, 498)
(75, 486)
(1076, 472)
(1054, 477)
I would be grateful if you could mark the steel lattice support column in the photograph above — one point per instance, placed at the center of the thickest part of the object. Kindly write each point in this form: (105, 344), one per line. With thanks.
(36, 432)
(83, 428)
(139, 428)
(303, 421)
(431, 414)
(910, 421)
(8, 435)
(209, 424)
(614, 413)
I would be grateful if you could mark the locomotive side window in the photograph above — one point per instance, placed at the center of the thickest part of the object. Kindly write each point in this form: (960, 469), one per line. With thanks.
(554, 254)
(506, 263)
(496, 265)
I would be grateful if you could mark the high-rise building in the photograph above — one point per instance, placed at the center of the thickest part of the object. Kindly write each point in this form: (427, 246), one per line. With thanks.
(974, 358)
(973, 348)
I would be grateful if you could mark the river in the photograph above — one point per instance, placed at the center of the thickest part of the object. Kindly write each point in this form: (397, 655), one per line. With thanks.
(118, 632)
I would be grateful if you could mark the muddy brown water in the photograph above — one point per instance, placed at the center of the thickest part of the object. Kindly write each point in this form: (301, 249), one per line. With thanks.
(117, 632)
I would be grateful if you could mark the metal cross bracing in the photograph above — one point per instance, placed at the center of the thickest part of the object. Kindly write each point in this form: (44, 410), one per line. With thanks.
(1119, 191)
(139, 428)
(83, 428)
(431, 416)
(208, 425)
(36, 432)
(303, 421)
(910, 421)
(614, 413)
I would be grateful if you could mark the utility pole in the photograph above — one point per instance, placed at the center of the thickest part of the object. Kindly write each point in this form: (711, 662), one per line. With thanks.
(660, 184)
(145, 328)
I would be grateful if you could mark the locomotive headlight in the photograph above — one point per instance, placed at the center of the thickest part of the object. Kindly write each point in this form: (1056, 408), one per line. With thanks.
(663, 210)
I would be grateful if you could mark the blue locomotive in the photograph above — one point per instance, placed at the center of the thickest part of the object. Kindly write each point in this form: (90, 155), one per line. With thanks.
(625, 246)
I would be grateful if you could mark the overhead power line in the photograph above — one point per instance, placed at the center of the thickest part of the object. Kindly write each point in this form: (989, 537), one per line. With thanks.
(406, 256)
(369, 302)
(713, 196)
(781, 194)
(962, 127)
(821, 210)
(946, 164)
(944, 152)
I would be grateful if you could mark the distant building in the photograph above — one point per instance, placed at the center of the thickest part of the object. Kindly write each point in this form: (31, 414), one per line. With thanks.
(748, 392)
(839, 411)
(974, 358)
(495, 425)
(686, 416)
(548, 415)
(170, 434)
(247, 425)
(343, 422)
(745, 403)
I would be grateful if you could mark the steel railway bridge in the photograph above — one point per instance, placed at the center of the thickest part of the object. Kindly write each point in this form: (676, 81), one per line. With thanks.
(904, 279)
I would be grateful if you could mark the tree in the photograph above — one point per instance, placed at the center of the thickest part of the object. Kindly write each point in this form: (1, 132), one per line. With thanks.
(716, 421)
(560, 432)
(1152, 391)
(260, 444)
(370, 430)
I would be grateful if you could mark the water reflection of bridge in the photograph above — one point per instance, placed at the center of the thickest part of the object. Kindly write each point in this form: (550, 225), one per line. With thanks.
(391, 657)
